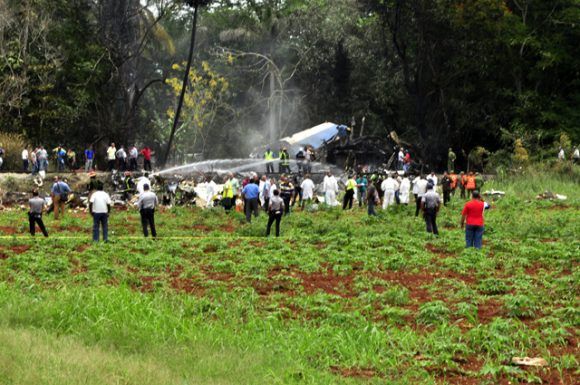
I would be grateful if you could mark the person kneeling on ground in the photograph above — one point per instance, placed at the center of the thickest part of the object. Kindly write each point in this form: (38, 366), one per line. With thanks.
(472, 215)
(100, 207)
(37, 206)
(146, 204)
(275, 212)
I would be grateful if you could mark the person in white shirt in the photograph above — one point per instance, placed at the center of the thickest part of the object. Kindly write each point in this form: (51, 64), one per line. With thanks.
(122, 158)
(400, 158)
(272, 188)
(100, 207)
(307, 189)
(146, 204)
(210, 192)
(421, 188)
(142, 182)
(261, 185)
(330, 187)
(404, 190)
(433, 178)
(576, 155)
(561, 154)
(388, 186)
(25, 160)
(111, 154)
(265, 192)
(133, 155)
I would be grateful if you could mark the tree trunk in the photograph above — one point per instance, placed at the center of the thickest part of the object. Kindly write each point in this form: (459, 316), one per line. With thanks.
(183, 87)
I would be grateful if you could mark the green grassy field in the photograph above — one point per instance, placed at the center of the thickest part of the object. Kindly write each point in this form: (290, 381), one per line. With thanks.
(340, 298)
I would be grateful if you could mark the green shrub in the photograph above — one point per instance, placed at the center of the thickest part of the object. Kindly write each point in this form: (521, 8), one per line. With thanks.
(13, 144)
(432, 313)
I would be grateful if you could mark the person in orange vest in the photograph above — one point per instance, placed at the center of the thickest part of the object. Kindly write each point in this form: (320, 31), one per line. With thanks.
(453, 177)
(470, 183)
(462, 183)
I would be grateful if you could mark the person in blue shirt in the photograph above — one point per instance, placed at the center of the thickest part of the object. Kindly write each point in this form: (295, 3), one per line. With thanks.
(250, 195)
(59, 193)
(89, 156)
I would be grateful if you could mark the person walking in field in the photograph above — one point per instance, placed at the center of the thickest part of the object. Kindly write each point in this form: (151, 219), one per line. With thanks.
(372, 198)
(470, 184)
(362, 185)
(349, 193)
(37, 207)
(250, 194)
(446, 185)
(472, 220)
(430, 204)
(421, 185)
(404, 189)
(286, 192)
(330, 188)
(59, 193)
(389, 186)
(100, 207)
(307, 190)
(462, 183)
(146, 204)
(276, 208)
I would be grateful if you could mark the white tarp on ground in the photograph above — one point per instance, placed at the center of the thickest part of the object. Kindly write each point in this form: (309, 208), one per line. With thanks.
(315, 136)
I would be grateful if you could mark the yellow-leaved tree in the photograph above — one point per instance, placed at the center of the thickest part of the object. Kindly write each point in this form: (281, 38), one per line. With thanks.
(203, 98)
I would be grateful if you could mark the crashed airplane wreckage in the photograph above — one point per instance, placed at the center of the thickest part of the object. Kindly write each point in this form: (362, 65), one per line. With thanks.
(367, 154)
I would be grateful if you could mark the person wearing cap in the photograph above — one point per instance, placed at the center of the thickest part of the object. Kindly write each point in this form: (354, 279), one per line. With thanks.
(284, 165)
(472, 220)
(430, 204)
(59, 193)
(146, 205)
(93, 182)
(128, 186)
(286, 192)
(37, 207)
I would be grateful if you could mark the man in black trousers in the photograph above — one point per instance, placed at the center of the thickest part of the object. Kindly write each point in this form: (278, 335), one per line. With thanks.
(37, 206)
(146, 204)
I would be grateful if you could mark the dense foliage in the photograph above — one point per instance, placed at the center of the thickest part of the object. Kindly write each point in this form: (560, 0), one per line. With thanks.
(459, 73)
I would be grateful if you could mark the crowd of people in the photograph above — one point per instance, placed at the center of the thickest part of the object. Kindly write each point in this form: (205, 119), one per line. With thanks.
(37, 160)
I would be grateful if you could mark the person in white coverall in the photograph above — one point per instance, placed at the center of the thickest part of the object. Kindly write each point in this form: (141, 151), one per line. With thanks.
(389, 186)
(330, 187)
(404, 189)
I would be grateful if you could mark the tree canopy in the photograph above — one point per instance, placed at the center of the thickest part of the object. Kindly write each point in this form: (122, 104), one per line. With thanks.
(497, 74)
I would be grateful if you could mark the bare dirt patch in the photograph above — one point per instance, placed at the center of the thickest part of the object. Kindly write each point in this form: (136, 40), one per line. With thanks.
(354, 372)
(8, 230)
(328, 282)
(19, 249)
(489, 310)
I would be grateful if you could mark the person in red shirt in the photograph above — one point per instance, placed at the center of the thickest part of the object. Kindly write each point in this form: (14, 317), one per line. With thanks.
(472, 219)
(146, 152)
